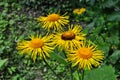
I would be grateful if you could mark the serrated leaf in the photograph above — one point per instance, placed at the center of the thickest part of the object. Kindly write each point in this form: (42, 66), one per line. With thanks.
(103, 73)
(115, 56)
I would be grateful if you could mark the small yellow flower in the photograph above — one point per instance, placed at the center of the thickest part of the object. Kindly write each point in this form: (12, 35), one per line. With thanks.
(37, 46)
(82, 10)
(76, 11)
(86, 56)
(70, 39)
(79, 11)
(53, 21)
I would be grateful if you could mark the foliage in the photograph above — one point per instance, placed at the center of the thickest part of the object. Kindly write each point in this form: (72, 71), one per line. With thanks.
(108, 74)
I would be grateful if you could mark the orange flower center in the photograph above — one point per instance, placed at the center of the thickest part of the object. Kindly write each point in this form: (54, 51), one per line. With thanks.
(53, 17)
(68, 35)
(85, 53)
(36, 43)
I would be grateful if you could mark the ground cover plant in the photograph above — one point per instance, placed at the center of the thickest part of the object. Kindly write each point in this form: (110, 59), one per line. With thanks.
(59, 40)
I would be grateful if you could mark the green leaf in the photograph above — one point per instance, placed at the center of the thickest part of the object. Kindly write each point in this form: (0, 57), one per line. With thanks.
(76, 75)
(58, 58)
(102, 45)
(11, 22)
(92, 2)
(114, 39)
(115, 56)
(2, 62)
(15, 77)
(103, 73)
(109, 3)
(61, 68)
(114, 17)
(90, 26)
(97, 30)
(1, 3)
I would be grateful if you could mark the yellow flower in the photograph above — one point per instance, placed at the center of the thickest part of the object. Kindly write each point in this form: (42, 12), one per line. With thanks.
(86, 56)
(82, 10)
(70, 39)
(37, 46)
(76, 11)
(79, 11)
(53, 21)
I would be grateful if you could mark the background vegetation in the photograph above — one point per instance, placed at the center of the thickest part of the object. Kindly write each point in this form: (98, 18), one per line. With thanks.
(101, 22)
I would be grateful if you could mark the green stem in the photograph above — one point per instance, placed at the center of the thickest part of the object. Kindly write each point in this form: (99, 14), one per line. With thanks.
(71, 72)
(82, 71)
(69, 66)
(51, 69)
(79, 74)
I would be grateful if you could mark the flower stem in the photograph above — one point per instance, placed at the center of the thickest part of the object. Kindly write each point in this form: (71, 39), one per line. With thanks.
(82, 71)
(51, 69)
(79, 74)
(71, 72)
(69, 66)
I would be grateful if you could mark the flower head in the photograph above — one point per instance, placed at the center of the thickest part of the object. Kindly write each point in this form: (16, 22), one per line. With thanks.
(76, 11)
(79, 11)
(86, 56)
(70, 39)
(37, 46)
(53, 21)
